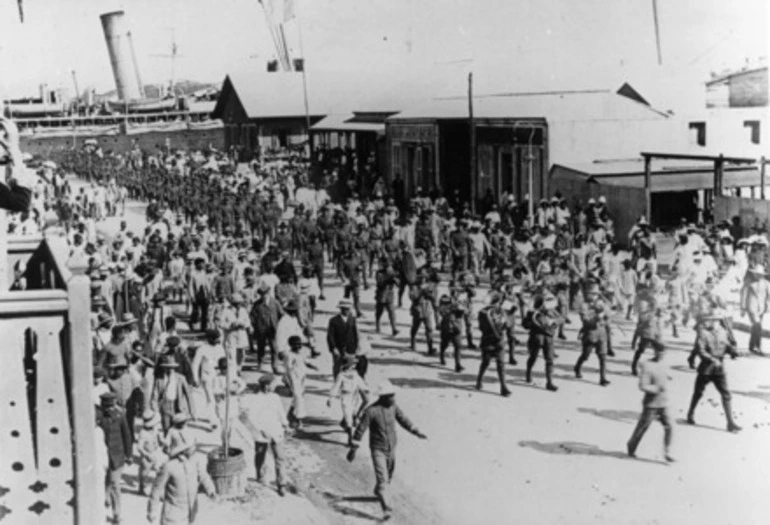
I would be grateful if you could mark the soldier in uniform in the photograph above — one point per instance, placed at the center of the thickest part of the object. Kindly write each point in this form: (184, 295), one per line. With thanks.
(463, 293)
(492, 326)
(361, 245)
(314, 258)
(283, 238)
(423, 235)
(460, 245)
(451, 314)
(386, 282)
(594, 334)
(713, 344)
(351, 271)
(376, 238)
(541, 322)
(498, 245)
(648, 330)
(343, 243)
(423, 295)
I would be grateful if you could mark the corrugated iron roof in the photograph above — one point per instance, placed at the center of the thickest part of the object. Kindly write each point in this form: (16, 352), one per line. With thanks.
(553, 106)
(280, 94)
(733, 74)
(342, 123)
(668, 176)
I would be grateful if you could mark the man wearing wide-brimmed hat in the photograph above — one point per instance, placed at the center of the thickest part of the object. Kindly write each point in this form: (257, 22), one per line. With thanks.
(176, 488)
(755, 302)
(117, 436)
(265, 315)
(380, 419)
(342, 336)
(712, 346)
(200, 292)
(236, 325)
(150, 444)
(266, 420)
(170, 393)
(350, 388)
(288, 325)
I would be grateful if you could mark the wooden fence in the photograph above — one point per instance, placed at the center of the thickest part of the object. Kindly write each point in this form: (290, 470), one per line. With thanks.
(753, 212)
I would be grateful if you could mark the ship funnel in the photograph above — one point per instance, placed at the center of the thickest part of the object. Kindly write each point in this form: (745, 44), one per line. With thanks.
(122, 56)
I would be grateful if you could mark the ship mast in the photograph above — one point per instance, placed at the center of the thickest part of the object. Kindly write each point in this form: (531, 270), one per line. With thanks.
(172, 56)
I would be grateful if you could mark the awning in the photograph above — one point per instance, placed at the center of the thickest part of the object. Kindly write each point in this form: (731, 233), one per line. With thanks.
(684, 181)
(340, 123)
(667, 176)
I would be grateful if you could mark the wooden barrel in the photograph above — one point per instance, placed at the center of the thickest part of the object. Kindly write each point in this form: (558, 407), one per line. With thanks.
(228, 473)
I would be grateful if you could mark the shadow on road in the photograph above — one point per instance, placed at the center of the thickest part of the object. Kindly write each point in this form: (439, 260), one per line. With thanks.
(756, 394)
(581, 449)
(621, 416)
(340, 504)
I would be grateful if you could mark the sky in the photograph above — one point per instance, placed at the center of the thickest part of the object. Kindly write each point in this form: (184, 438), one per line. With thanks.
(509, 45)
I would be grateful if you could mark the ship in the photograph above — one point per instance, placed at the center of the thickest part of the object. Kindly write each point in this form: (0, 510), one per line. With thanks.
(118, 122)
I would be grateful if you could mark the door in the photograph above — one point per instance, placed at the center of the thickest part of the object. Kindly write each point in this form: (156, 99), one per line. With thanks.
(486, 176)
(506, 172)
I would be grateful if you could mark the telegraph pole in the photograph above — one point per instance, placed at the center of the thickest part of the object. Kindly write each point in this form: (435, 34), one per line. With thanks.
(472, 128)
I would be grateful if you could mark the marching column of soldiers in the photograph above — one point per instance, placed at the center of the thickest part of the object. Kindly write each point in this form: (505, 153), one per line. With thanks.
(247, 253)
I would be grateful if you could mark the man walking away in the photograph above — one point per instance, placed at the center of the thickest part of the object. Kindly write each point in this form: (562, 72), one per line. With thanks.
(380, 419)
(653, 381)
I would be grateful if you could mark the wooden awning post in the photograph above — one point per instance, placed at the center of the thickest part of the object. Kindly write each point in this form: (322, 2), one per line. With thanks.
(719, 165)
(648, 187)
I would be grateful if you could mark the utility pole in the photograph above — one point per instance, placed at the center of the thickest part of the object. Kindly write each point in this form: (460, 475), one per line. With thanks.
(472, 129)
(530, 158)
(657, 31)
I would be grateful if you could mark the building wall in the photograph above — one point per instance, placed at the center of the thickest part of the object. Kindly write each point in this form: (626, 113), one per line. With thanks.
(414, 154)
(718, 95)
(626, 204)
(728, 131)
(749, 89)
(753, 212)
(589, 140)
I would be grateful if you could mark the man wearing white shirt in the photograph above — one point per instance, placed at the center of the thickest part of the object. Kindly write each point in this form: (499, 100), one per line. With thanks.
(266, 419)
(288, 326)
(493, 215)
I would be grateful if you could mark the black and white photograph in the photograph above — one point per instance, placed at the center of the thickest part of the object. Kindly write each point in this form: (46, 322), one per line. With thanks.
(416, 262)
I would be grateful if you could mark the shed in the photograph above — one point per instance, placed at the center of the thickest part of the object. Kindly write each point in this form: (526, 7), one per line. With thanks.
(679, 188)
(516, 133)
(266, 110)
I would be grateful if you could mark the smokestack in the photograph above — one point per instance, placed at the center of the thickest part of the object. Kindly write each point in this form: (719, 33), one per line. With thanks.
(122, 57)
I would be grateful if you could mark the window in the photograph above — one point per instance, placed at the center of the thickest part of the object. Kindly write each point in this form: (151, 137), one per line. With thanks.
(753, 126)
(698, 133)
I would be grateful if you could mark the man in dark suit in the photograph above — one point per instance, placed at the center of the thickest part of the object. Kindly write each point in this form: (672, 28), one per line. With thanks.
(117, 437)
(342, 338)
(285, 269)
(264, 320)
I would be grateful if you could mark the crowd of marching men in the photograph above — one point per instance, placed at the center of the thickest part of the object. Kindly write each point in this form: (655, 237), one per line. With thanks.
(242, 253)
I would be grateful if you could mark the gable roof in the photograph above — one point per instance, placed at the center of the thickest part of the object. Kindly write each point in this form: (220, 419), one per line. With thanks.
(281, 94)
